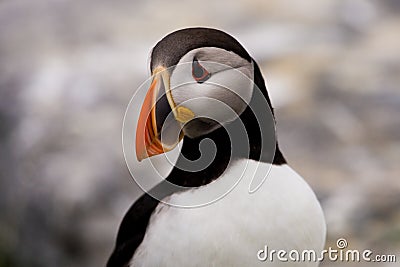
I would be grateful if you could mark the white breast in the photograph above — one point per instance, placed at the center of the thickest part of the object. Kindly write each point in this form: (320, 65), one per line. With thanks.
(283, 214)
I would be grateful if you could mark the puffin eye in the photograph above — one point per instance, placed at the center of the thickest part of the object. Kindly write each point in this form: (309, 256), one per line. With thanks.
(199, 73)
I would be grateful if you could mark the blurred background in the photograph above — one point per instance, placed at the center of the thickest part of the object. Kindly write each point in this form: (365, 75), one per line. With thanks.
(69, 68)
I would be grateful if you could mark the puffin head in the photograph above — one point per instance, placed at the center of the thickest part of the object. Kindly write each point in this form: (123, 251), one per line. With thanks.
(202, 78)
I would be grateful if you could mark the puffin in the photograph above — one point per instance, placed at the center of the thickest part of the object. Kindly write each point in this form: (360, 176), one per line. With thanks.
(207, 89)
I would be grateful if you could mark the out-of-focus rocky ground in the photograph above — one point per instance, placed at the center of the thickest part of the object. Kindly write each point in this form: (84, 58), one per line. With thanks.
(69, 68)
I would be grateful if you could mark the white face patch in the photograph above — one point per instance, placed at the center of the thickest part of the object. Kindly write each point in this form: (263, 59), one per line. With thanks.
(225, 93)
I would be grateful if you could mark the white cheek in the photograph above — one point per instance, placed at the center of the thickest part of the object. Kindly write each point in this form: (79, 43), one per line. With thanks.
(222, 97)
(234, 88)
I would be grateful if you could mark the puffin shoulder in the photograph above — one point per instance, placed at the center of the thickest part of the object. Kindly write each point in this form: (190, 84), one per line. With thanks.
(132, 230)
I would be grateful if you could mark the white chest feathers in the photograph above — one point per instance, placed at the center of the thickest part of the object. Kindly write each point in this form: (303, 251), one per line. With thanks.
(282, 214)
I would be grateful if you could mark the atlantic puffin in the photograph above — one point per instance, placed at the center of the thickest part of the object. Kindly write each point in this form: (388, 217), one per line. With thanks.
(283, 213)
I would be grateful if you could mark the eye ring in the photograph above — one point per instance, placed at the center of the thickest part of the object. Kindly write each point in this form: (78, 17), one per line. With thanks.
(199, 73)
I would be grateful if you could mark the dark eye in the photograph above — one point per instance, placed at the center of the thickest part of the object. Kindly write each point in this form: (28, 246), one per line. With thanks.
(199, 73)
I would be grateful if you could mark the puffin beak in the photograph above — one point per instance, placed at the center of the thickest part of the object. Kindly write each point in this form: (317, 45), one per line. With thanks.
(159, 126)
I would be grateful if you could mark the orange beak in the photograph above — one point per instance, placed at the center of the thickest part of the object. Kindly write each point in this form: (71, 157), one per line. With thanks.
(156, 116)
